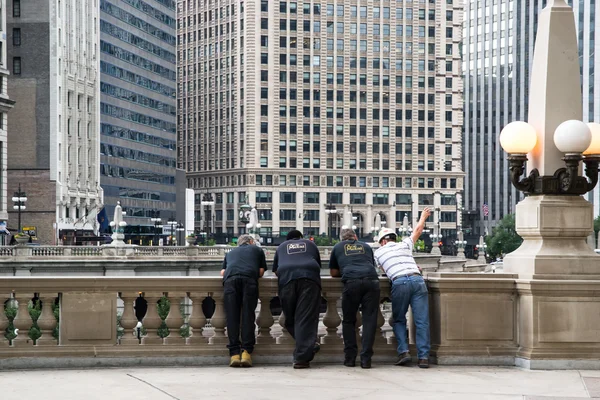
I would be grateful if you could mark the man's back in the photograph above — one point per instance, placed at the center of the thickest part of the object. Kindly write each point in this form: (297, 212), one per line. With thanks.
(296, 259)
(245, 260)
(354, 259)
(396, 258)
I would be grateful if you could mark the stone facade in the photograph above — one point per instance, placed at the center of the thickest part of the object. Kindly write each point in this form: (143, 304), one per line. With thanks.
(55, 77)
(295, 105)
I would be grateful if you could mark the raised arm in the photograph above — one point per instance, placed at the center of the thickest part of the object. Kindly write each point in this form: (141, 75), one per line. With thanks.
(420, 225)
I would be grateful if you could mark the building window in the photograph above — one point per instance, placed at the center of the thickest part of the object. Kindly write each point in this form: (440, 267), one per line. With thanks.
(358, 198)
(287, 197)
(264, 197)
(16, 65)
(311, 198)
(380, 198)
(16, 8)
(16, 36)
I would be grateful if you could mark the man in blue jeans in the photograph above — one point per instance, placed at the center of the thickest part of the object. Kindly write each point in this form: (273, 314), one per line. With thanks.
(408, 288)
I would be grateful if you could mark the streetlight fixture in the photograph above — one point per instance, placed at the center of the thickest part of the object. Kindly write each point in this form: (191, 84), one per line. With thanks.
(208, 202)
(175, 227)
(19, 199)
(157, 225)
(330, 210)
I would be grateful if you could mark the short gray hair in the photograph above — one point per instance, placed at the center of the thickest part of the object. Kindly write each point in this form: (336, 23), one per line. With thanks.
(348, 234)
(245, 239)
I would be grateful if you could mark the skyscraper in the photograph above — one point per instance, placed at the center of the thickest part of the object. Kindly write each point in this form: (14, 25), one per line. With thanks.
(5, 105)
(315, 110)
(498, 45)
(53, 59)
(137, 111)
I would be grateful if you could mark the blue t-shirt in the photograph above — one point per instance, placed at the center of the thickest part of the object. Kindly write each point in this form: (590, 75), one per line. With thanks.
(297, 259)
(354, 260)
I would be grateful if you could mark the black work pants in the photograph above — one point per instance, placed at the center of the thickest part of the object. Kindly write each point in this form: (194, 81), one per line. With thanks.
(300, 302)
(365, 293)
(240, 299)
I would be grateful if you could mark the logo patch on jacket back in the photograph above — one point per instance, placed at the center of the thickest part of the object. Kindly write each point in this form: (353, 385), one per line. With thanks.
(294, 248)
(354, 249)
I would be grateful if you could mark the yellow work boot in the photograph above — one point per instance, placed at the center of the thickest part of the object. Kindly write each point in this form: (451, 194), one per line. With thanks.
(235, 361)
(246, 359)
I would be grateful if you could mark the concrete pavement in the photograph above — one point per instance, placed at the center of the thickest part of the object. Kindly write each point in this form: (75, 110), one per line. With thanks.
(329, 382)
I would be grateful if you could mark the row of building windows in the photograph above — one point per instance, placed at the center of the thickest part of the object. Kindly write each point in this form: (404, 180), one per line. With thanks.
(357, 198)
(135, 136)
(137, 41)
(132, 116)
(316, 147)
(136, 155)
(136, 22)
(136, 174)
(128, 76)
(132, 97)
(361, 96)
(376, 115)
(353, 181)
(134, 59)
(154, 12)
(139, 194)
(355, 11)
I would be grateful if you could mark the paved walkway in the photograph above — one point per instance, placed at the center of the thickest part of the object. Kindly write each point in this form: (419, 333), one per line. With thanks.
(329, 382)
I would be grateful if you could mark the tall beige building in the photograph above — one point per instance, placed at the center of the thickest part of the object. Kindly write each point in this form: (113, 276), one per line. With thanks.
(306, 106)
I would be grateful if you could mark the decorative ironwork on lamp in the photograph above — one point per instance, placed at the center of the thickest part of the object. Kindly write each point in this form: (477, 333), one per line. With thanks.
(578, 140)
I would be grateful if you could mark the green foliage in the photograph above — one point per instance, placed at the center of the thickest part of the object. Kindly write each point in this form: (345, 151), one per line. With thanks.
(420, 245)
(164, 305)
(56, 312)
(597, 226)
(504, 238)
(120, 329)
(11, 312)
(35, 310)
(184, 331)
(325, 240)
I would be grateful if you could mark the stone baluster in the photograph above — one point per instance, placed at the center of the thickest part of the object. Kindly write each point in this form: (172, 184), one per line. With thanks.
(23, 320)
(129, 320)
(379, 335)
(3, 319)
(47, 322)
(331, 319)
(197, 319)
(410, 326)
(151, 320)
(358, 325)
(285, 337)
(218, 320)
(265, 321)
(392, 338)
(175, 320)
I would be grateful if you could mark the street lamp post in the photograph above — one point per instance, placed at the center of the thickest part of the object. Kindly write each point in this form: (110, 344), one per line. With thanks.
(330, 210)
(208, 202)
(157, 225)
(19, 199)
(175, 227)
(436, 236)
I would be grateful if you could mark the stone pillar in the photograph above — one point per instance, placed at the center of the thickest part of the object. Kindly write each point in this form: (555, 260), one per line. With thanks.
(218, 320)
(379, 336)
(331, 319)
(3, 319)
(151, 320)
(299, 212)
(197, 319)
(285, 337)
(23, 321)
(175, 320)
(128, 319)
(47, 322)
(265, 320)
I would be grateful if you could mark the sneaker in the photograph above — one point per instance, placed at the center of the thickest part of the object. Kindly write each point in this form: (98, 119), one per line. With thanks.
(423, 363)
(403, 359)
(316, 348)
(365, 364)
(301, 365)
(246, 359)
(350, 362)
(236, 361)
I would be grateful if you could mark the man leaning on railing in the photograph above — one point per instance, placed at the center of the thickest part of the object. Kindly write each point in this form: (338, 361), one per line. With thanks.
(242, 267)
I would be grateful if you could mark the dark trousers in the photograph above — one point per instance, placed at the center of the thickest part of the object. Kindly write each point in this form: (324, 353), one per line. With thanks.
(240, 298)
(300, 302)
(364, 293)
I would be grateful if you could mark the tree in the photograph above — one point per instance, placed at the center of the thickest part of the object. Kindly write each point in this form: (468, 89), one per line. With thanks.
(504, 238)
(597, 226)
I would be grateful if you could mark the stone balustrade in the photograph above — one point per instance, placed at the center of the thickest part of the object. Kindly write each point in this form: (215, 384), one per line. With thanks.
(475, 319)
(87, 326)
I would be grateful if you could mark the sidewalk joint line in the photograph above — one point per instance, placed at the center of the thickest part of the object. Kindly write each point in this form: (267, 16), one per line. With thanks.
(151, 385)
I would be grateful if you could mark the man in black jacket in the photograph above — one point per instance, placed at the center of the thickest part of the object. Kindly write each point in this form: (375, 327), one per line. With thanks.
(242, 267)
(297, 264)
(355, 263)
